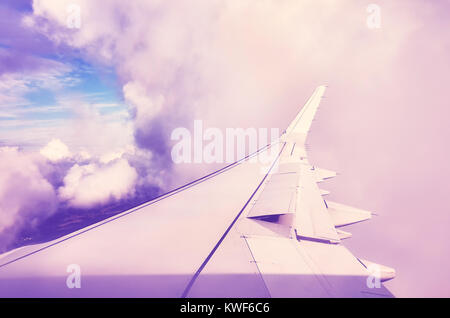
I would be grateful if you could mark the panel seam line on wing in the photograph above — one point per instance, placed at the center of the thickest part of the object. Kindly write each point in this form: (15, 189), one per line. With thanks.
(155, 200)
(202, 266)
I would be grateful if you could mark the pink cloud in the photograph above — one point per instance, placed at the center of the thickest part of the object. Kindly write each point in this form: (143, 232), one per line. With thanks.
(26, 196)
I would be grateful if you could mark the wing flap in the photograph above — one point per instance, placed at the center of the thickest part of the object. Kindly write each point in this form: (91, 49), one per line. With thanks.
(384, 273)
(310, 269)
(312, 219)
(324, 174)
(342, 214)
(277, 196)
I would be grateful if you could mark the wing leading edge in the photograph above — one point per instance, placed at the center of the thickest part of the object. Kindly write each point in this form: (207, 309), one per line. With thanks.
(235, 233)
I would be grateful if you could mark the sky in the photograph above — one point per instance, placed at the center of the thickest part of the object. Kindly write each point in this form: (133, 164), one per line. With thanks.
(81, 107)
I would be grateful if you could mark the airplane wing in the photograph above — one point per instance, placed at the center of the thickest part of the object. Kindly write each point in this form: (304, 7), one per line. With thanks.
(255, 228)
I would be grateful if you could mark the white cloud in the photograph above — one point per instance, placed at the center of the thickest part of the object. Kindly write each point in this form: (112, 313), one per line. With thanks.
(55, 151)
(83, 155)
(92, 184)
(146, 107)
(95, 132)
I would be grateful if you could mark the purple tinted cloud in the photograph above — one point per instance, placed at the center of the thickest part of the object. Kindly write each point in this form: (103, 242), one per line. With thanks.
(26, 196)
(46, 195)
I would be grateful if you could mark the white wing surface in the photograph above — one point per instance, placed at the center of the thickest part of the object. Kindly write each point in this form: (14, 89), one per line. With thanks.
(247, 230)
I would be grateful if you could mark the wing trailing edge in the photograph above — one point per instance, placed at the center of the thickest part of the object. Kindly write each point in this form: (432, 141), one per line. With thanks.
(383, 272)
(342, 214)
